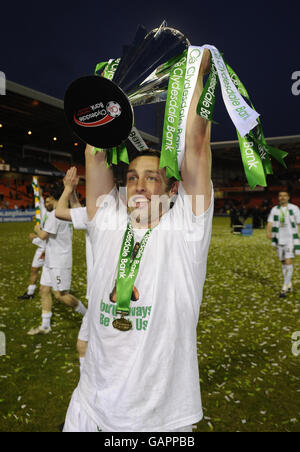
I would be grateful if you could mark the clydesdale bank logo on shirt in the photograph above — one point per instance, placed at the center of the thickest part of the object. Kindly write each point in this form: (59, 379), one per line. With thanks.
(97, 115)
(138, 315)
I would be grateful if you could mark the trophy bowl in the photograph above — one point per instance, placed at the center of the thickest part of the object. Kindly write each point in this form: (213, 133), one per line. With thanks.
(100, 110)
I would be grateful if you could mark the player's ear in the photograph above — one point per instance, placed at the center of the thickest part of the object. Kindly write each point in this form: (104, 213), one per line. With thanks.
(174, 189)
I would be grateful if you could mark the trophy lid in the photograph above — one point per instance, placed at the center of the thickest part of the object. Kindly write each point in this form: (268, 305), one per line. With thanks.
(98, 111)
(147, 52)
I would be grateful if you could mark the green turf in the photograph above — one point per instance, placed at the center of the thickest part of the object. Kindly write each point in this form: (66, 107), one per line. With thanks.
(249, 375)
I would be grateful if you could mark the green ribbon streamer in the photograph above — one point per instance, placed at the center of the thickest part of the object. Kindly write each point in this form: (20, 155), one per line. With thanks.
(253, 165)
(109, 68)
(206, 104)
(123, 154)
(128, 269)
(256, 136)
(100, 67)
(257, 133)
(255, 151)
(168, 157)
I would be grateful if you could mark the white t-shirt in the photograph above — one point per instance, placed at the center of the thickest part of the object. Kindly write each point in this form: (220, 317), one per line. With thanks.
(146, 379)
(59, 242)
(80, 220)
(285, 230)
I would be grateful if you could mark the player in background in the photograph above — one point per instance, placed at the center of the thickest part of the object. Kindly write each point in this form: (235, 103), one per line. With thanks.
(282, 229)
(78, 216)
(39, 255)
(57, 271)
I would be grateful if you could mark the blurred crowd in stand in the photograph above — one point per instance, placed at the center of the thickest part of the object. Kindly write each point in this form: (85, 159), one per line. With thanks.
(17, 194)
(258, 214)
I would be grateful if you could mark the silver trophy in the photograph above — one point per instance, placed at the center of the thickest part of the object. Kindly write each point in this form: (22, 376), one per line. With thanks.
(99, 108)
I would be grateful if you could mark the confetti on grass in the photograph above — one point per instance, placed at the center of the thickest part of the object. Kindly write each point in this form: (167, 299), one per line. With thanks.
(249, 376)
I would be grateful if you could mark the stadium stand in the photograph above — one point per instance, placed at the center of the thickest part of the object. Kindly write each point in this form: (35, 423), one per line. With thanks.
(36, 140)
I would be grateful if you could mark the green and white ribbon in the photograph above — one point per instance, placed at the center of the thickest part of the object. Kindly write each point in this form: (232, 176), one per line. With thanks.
(182, 72)
(182, 81)
(107, 68)
(254, 149)
(242, 115)
(255, 171)
(37, 200)
(194, 58)
(206, 103)
(253, 165)
(128, 268)
(170, 136)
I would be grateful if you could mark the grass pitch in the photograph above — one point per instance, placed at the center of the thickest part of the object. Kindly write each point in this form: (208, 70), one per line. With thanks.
(250, 379)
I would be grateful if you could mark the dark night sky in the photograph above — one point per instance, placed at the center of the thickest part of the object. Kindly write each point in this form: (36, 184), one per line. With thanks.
(46, 45)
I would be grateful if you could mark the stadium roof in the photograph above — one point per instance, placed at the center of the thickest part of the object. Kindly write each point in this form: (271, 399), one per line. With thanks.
(229, 150)
(272, 141)
(24, 110)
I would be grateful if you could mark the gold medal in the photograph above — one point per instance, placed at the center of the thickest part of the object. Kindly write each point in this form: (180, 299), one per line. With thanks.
(122, 324)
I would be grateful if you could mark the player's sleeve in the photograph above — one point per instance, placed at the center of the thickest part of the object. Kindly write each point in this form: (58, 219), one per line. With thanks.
(38, 242)
(195, 229)
(271, 216)
(52, 224)
(79, 217)
(107, 217)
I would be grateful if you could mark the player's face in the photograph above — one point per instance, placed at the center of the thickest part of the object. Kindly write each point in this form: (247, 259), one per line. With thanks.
(49, 203)
(145, 184)
(283, 198)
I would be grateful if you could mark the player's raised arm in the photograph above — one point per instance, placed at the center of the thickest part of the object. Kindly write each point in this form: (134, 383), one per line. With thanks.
(99, 179)
(70, 181)
(196, 165)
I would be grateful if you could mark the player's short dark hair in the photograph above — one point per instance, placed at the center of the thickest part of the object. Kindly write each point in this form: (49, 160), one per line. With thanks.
(285, 190)
(56, 191)
(149, 153)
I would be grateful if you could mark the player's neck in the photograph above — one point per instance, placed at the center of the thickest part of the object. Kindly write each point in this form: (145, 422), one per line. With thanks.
(145, 225)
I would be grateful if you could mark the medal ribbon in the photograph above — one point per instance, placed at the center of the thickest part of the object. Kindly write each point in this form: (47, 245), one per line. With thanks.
(128, 269)
(283, 215)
